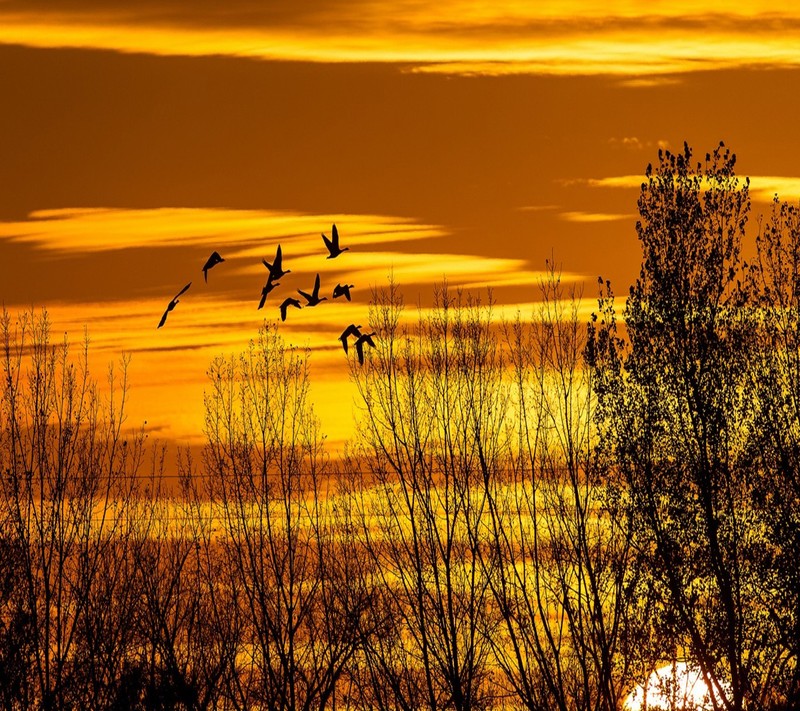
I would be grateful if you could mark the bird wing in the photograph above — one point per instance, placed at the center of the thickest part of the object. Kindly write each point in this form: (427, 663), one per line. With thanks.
(360, 351)
(343, 339)
(346, 292)
(316, 286)
(335, 236)
(328, 243)
(182, 291)
(278, 259)
(163, 319)
(303, 294)
(267, 265)
(264, 293)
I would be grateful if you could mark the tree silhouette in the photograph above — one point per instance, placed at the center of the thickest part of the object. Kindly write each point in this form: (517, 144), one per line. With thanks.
(677, 411)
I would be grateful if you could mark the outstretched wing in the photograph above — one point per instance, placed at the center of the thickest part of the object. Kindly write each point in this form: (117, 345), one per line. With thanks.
(335, 235)
(352, 330)
(182, 291)
(163, 319)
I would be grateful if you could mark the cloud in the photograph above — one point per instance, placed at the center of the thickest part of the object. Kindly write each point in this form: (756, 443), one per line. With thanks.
(763, 188)
(452, 37)
(537, 208)
(246, 233)
(593, 217)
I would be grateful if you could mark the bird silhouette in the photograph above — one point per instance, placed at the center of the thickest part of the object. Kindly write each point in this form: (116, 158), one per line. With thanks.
(365, 338)
(289, 301)
(212, 261)
(172, 305)
(269, 286)
(276, 270)
(313, 298)
(351, 330)
(333, 243)
(342, 290)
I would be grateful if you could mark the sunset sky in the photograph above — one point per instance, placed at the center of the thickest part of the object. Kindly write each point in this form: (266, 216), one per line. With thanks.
(459, 139)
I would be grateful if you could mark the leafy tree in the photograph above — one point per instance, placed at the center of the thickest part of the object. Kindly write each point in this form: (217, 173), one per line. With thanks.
(677, 414)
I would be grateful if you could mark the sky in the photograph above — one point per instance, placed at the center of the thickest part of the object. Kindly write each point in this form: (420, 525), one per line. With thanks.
(459, 140)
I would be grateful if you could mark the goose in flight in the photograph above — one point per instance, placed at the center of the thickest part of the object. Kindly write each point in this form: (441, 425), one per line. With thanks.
(333, 243)
(351, 330)
(313, 298)
(269, 286)
(212, 261)
(276, 270)
(289, 301)
(172, 304)
(342, 290)
(365, 338)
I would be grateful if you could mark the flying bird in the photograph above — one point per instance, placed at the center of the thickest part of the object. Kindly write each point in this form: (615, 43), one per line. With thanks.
(212, 261)
(172, 305)
(276, 270)
(342, 290)
(286, 304)
(313, 298)
(351, 330)
(269, 286)
(366, 338)
(333, 243)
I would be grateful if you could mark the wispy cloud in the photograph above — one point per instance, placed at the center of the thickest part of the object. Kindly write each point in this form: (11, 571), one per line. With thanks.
(455, 36)
(243, 232)
(593, 217)
(763, 188)
(221, 317)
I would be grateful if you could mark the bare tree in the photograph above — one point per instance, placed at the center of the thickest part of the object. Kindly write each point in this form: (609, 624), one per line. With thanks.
(264, 462)
(429, 435)
(68, 480)
(563, 583)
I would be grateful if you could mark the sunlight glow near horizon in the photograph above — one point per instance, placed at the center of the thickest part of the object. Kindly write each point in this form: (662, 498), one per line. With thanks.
(168, 366)
(674, 687)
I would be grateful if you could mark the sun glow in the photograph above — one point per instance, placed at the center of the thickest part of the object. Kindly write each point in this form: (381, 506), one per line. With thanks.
(673, 687)
(168, 365)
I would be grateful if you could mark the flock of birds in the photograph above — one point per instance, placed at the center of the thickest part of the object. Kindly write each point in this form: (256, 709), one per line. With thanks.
(276, 272)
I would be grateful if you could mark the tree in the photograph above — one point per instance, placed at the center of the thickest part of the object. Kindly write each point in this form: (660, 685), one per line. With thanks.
(264, 465)
(677, 417)
(774, 297)
(564, 586)
(431, 431)
(68, 484)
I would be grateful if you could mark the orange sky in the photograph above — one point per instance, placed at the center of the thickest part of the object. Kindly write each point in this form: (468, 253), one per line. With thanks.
(473, 141)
